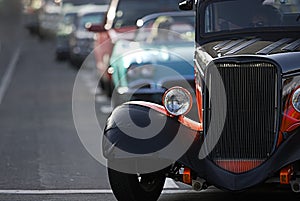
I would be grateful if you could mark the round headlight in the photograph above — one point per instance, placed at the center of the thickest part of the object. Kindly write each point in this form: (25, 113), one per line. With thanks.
(296, 100)
(177, 101)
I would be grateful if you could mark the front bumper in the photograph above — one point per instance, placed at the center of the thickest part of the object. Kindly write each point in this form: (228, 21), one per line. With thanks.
(287, 153)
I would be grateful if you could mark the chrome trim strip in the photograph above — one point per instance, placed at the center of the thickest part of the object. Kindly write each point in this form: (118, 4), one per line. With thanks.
(199, 67)
(220, 45)
(273, 46)
(231, 45)
(292, 46)
(242, 46)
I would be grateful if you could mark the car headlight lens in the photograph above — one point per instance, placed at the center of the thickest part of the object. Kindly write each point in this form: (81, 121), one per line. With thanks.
(177, 101)
(296, 100)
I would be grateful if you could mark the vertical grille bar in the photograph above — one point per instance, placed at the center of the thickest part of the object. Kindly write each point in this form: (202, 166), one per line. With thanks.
(248, 133)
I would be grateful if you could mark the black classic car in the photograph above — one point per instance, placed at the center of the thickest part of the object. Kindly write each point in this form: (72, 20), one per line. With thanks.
(247, 76)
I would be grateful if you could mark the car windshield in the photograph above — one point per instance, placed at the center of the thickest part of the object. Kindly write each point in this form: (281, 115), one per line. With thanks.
(167, 29)
(235, 15)
(93, 18)
(129, 11)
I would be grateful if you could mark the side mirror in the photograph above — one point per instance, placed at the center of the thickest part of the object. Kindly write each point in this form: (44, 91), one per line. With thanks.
(186, 5)
(95, 27)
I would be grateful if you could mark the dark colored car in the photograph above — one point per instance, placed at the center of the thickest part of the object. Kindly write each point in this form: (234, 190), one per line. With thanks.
(247, 76)
(31, 9)
(81, 41)
(48, 17)
(65, 28)
(51, 12)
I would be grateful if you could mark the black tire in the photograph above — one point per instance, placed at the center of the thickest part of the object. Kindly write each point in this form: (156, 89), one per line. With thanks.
(101, 84)
(76, 63)
(109, 88)
(60, 57)
(128, 187)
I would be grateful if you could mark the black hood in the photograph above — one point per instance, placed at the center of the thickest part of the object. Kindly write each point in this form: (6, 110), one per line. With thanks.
(283, 51)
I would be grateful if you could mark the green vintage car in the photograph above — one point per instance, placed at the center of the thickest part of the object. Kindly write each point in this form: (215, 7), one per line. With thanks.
(159, 57)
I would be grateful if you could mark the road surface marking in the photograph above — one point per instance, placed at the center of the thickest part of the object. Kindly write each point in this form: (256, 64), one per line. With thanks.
(92, 191)
(8, 74)
(45, 192)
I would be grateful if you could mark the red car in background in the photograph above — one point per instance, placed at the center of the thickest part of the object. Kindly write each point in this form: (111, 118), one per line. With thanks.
(119, 23)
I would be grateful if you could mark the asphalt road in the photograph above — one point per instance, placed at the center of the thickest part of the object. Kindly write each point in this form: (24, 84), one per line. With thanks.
(42, 155)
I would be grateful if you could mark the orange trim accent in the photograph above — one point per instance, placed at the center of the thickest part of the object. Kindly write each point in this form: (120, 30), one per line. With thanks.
(293, 127)
(186, 177)
(238, 166)
(290, 122)
(290, 119)
(280, 138)
(190, 123)
(285, 175)
(199, 102)
(182, 119)
(154, 106)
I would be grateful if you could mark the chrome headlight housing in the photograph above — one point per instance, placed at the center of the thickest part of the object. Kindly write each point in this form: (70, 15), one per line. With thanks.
(177, 101)
(296, 100)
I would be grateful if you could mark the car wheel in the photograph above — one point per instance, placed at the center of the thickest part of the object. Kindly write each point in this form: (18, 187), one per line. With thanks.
(134, 187)
(108, 88)
(101, 84)
(76, 63)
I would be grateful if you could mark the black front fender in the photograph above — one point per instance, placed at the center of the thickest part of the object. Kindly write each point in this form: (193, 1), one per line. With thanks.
(137, 130)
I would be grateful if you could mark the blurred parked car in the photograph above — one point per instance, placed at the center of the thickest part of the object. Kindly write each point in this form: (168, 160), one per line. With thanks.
(52, 10)
(31, 10)
(121, 18)
(48, 18)
(81, 40)
(65, 27)
(82, 2)
(159, 57)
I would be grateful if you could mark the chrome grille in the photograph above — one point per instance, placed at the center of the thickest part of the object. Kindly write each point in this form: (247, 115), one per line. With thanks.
(249, 131)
